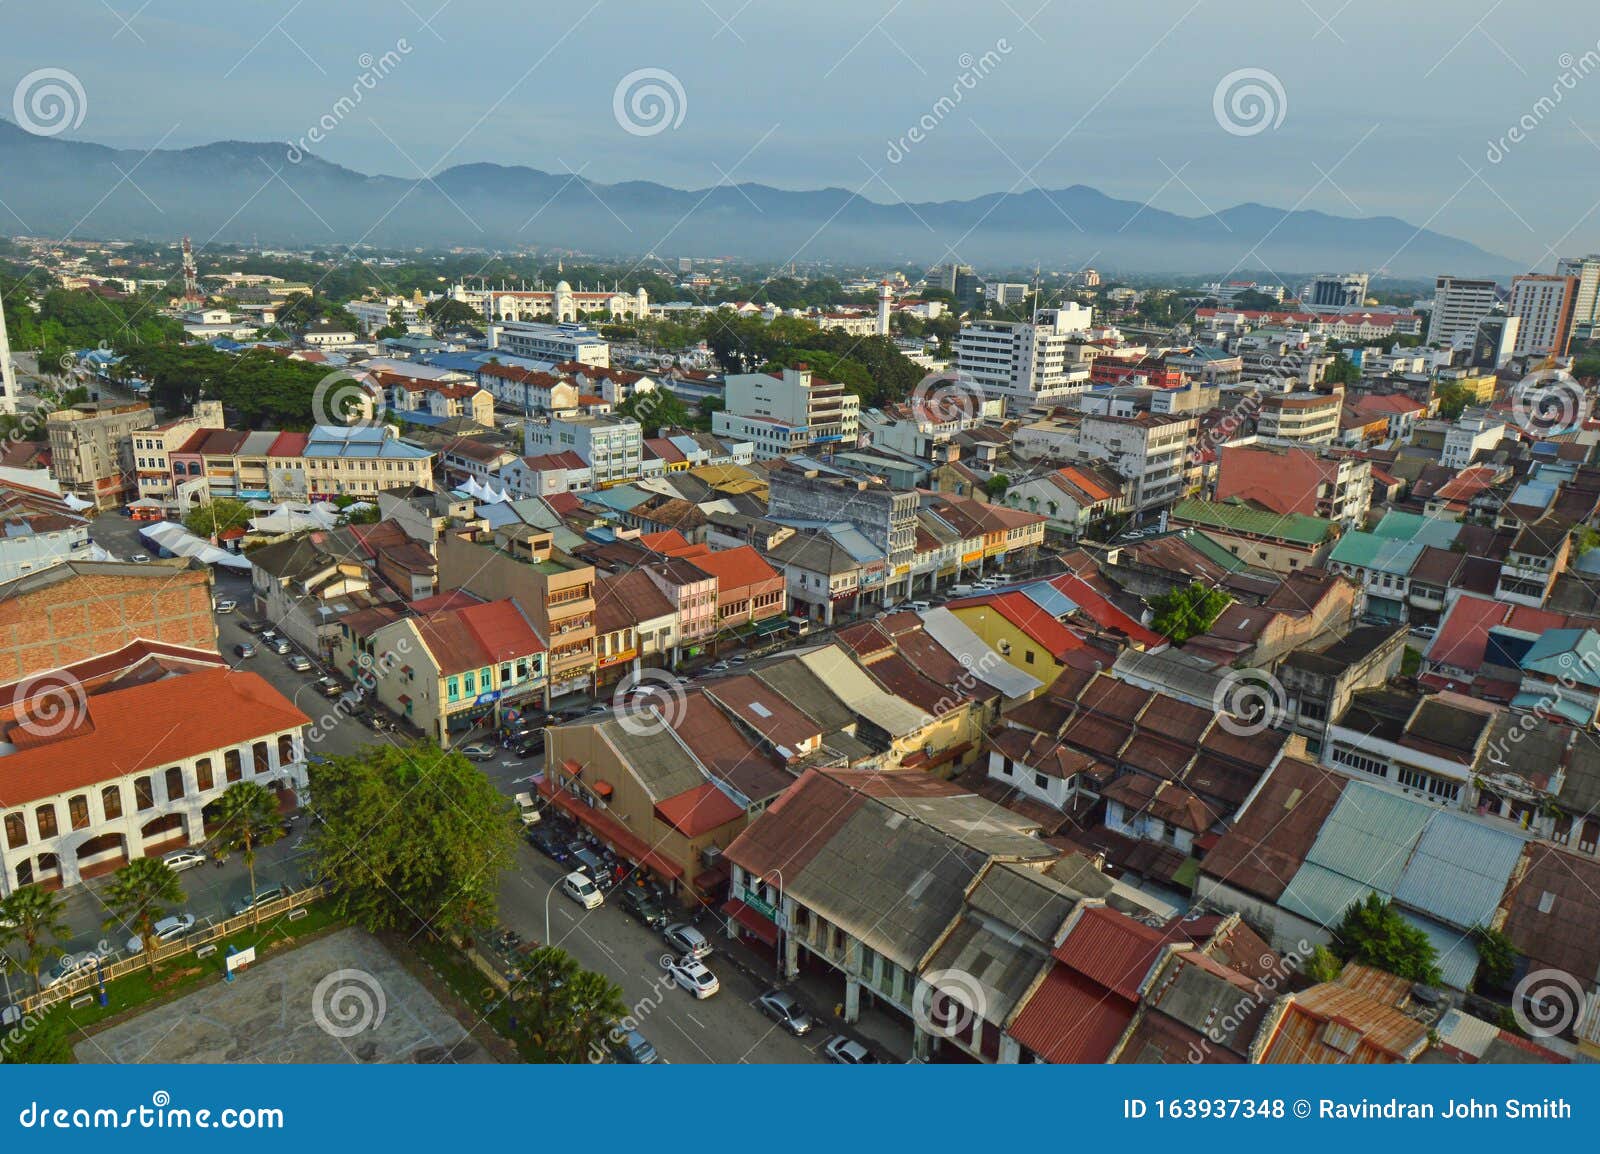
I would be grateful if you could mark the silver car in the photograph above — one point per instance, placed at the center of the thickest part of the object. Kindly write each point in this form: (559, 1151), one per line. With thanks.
(687, 941)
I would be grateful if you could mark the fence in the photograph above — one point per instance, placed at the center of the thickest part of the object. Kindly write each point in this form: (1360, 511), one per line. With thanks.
(81, 984)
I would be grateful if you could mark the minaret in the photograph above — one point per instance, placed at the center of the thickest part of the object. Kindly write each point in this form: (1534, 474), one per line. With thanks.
(191, 276)
(885, 298)
(8, 377)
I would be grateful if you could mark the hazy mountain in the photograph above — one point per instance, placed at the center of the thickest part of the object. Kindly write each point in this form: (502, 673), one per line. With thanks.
(234, 191)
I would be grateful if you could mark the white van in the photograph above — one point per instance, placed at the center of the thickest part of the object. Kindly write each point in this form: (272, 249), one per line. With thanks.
(960, 590)
(527, 809)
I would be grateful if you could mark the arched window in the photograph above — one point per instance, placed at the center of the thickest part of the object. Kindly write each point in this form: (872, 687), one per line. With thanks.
(144, 794)
(45, 818)
(232, 766)
(175, 783)
(258, 754)
(286, 750)
(78, 811)
(202, 775)
(111, 802)
(16, 831)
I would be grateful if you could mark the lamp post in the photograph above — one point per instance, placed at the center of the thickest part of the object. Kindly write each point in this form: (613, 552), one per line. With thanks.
(548, 894)
(778, 921)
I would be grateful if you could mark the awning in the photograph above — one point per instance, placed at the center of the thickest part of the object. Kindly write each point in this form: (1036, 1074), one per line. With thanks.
(602, 789)
(613, 833)
(714, 877)
(752, 921)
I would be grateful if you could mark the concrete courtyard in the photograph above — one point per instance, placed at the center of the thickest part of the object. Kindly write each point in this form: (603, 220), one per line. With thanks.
(342, 998)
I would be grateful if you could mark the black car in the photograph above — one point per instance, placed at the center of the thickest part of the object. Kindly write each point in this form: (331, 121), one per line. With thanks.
(530, 748)
(549, 844)
(640, 903)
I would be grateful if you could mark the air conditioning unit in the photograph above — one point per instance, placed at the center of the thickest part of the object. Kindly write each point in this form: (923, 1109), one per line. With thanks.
(711, 856)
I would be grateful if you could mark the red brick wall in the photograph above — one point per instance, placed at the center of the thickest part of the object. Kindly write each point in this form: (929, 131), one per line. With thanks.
(96, 612)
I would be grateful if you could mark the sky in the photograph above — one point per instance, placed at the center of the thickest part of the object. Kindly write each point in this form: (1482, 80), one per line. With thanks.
(1427, 110)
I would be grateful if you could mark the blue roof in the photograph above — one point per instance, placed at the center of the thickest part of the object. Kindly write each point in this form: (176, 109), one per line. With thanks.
(1458, 953)
(1459, 870)
(1436, 531)
(359, 441)
(1567, 653)
(1534, 702)
(1047, 597)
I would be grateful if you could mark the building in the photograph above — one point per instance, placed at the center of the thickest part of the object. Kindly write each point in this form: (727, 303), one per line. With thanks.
(1004, 294)
(1475, 431)
(786, 412)
(1495, 342)
(375, 314)
(553, 343)
(152, 449)
(356, 462)
(1148, 451)
(1281, 542)
(1544, 306)
(158, 733)
(1026, 362)
(91, 450)
(1586, 299)
(811, 492)
(38, 530)
(1337, 291)
(1301, 418)
(612, 447)
(1458, 306)
(1288, 479)
(563, 303)
(8, 374)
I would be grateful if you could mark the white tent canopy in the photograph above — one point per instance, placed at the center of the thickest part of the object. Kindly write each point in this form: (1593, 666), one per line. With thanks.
(177, 540)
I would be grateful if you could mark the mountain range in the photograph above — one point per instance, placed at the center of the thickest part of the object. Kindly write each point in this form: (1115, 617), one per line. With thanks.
(240, 192)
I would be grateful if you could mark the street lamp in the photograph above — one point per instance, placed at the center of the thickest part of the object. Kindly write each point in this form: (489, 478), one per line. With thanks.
(778, 921)
(548, 894)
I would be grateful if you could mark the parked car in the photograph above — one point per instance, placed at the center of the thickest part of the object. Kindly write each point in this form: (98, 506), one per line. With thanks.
(919, 606)
(139, 558)
(531, 747)
(167, 931)
(245, 649)
(692, 975)
(783, 1008)
(581, 889)
(261, 898)
(477, 751)
(527, 809)
(589, 862)
(226, 606)
(1426, 632)
(638, 902)
(632, 1047)
(549, 843)
(328, 687)
(685, 939)
(183, 859)
(298, 662)
(848, 1052)
(69, 964)
(280, 646)
(720, 667)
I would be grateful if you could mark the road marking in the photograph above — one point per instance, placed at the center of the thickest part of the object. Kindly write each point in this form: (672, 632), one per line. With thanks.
(695, 1020)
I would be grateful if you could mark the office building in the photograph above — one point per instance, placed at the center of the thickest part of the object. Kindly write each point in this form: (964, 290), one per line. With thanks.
(1543, 305)
(1458, 306)
(1026, 363)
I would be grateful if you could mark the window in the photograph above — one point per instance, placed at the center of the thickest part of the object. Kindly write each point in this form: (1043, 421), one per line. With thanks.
(111, 802)
(1353, 760)
(231, 765)
(175, 788)
(16, 831)
(262, 763)
(286, 749)
(1005, 768)
(45, 818)
(1041, 781)
(78, 811)
(1028, 657)
(144, 794)
(202, 775)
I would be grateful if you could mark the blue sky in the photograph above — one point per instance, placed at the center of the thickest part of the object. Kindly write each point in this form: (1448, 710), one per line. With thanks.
(1401, 109)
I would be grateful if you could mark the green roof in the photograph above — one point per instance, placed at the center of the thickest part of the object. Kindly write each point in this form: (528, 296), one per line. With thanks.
(1240, 518)
(1402, 526)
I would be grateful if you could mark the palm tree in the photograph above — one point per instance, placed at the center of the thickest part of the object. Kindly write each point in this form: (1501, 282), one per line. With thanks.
(245, 818)
(141, 893)
(33, 916)
(592, 1007)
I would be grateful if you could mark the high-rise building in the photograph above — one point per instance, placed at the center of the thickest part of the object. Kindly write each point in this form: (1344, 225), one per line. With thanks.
(1347, 290)
(1026, 363)
(8, 376)
(1495, 343)
(1586, 302)
(1543, 305)
(1458, 306)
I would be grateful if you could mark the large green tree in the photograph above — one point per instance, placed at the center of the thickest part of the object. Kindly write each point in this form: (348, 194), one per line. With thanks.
(141, 893)
(33, 918)
(1187, 612)
(1373, 933)
(216, 516)
(244, 819)
(656, 409)
(410, 836)
(569, 1011)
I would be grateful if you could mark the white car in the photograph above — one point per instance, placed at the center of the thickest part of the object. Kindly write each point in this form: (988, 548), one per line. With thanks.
(70, 964)
(692, 975)
(848, 1052)
(183, 859)
(582, 890)
(168, 930)
(139, 558)
(227, 606)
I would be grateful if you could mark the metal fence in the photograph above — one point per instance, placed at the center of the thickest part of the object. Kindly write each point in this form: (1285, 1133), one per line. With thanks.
(85, 982)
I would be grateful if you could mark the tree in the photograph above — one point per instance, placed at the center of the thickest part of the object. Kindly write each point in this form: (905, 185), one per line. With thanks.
(1322, 966)
(1453, 400)
(212, 519)
(1342, 372)
(1374, 934)
(141, 893)
(570, 1010)
(1497, 957)
(1185, 613)
(37, 1042)
(244, 819)
(410, 835)
(996, 486)
(656, 409)
(449, 314)
(33, 917)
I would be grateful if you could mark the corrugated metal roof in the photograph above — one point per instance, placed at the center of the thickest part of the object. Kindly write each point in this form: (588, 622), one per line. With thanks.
(1458, 954)
(1322, 895)
(1459, 870)
(1369, 836)
(974, 653)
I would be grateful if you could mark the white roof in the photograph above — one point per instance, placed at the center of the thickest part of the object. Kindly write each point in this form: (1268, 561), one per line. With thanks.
(850, 683)
(974, 653)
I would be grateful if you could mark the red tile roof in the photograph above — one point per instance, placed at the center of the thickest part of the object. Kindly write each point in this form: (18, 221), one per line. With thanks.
(1025, 613)
(698, 811)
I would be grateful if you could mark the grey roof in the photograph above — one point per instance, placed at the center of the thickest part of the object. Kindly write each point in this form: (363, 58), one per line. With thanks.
(1207, 1003)
(1459, 870)
(808, 693)
(894, 715)
(662, 766)
(1003, 964)
(1171, 671)
(1035, 903)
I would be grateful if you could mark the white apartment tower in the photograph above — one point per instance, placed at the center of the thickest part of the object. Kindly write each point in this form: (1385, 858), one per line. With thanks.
(1544, 306)
(1026, 363)
(1586, 300)
(885, 301)
(1458, 306)
(8, 376)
